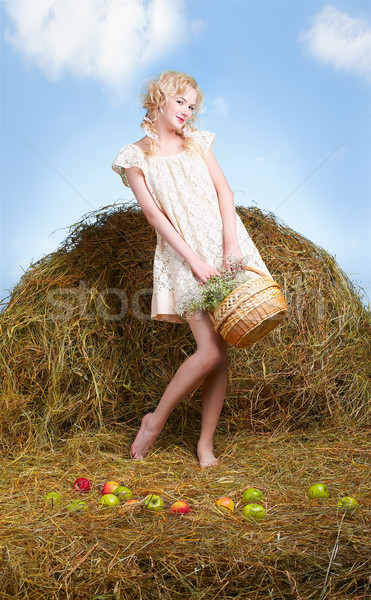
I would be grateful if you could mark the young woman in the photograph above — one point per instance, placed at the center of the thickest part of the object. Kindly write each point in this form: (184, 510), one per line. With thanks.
(185, 196)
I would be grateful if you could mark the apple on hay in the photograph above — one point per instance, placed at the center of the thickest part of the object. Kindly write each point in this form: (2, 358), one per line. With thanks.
(123, 493)
(53, 498)
(252, 495)
(318, 490)
(253, 512)
(82, 484)
(109, 500)
(180, 507)
(109, 487)
(77, 506)
(348, 503)
(130, 504)
(153, 502)
(225, 503)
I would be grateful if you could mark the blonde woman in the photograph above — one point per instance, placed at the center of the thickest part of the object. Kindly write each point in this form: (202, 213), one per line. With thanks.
(184, 195)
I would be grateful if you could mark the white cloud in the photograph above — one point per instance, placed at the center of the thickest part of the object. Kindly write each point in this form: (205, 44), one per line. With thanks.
(220, 106)
(106, 40)
(338, 39)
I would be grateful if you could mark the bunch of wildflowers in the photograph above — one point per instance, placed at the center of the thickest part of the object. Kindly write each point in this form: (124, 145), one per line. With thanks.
(207, 296)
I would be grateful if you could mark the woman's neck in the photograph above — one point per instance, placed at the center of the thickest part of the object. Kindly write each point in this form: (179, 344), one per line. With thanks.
(166, 135)
(168, 142)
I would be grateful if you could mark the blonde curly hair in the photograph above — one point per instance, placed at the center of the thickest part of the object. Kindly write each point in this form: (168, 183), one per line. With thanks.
(157, 92)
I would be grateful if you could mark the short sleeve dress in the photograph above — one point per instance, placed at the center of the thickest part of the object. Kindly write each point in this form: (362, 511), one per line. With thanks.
(182, 188)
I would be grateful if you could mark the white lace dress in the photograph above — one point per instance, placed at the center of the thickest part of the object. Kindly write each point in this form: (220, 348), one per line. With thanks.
(182, 188)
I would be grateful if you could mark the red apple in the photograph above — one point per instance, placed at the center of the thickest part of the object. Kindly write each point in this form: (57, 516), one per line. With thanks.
(109, 487)
(180, 507)
(82, 485)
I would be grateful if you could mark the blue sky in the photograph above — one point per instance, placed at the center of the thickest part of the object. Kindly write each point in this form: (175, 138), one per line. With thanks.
(287, 91)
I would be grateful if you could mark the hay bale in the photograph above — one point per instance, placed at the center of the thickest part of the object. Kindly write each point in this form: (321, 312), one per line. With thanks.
(78, 347)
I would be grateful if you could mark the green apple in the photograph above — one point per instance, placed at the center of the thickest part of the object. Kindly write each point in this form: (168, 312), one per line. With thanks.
(252, 495)
(348, 503)
(153, 502)
(123, 493)
(53, 498)
(77, 505)
(109, 500)
(253, 512)
(318, 490)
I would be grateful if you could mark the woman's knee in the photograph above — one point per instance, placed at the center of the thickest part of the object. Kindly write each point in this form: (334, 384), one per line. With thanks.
(211, 357)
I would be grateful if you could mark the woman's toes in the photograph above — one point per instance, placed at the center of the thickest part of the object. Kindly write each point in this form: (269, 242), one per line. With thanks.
(206, 456)
(145, 438)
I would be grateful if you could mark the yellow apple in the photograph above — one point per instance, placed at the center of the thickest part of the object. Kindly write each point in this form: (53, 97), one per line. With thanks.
(348, 503)
(225, 504)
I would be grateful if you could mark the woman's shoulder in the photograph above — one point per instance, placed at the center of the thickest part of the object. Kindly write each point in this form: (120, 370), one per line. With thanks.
(202, 133)
(130, 155)
(143, 144)
(204, 139)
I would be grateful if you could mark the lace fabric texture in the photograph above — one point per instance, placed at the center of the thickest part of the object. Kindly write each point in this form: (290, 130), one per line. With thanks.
(182, 188)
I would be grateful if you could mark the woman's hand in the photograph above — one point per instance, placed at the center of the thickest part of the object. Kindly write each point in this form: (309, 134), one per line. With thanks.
(231, 251)
(202, 270)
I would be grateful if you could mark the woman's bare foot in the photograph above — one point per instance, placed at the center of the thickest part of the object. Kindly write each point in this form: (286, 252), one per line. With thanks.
(145, 438)
(205, 455)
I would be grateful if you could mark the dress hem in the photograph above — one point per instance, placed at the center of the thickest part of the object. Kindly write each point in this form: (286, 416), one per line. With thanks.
(163, 307)
(169, 318)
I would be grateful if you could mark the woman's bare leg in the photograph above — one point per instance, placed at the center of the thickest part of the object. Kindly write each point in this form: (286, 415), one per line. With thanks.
(210, 352)
(213, 394)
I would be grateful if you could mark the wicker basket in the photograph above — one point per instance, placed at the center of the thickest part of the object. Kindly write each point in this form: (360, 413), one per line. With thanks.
(251, 311)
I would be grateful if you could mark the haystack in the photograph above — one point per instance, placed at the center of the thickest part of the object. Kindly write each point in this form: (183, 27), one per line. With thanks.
(78, 349)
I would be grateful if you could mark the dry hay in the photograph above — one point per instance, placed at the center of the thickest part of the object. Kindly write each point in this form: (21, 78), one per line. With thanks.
(303, 550)
(75, 383)
(78, 347)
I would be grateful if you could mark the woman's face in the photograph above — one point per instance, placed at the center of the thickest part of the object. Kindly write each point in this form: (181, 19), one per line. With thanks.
(178, 109)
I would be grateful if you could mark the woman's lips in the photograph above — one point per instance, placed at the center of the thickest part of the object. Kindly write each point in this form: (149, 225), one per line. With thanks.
(180, 119)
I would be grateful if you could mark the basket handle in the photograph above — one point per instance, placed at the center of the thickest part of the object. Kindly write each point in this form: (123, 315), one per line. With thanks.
(258, 272)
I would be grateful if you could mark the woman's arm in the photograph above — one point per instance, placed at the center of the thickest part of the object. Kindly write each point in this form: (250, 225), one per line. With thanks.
(226, 206)
(163, 226)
